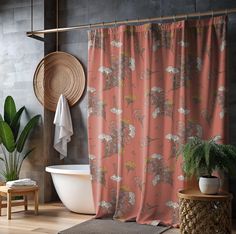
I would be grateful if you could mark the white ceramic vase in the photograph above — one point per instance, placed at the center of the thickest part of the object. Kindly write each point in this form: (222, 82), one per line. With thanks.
(209, 185)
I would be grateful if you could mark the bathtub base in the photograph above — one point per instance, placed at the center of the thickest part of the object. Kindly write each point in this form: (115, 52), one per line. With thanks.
(76, 196)
(74, 188)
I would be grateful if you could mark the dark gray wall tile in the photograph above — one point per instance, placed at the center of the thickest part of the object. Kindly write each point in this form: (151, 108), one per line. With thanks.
(101, 11)
(18, 57)
(174, 7)
(207, 5)
(136, 9)
(77, 16)
(71, 4)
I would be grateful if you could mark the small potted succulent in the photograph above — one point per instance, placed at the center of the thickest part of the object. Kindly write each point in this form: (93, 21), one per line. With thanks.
(201, 158)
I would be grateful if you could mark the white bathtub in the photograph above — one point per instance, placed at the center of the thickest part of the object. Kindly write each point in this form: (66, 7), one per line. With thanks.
(73, 186)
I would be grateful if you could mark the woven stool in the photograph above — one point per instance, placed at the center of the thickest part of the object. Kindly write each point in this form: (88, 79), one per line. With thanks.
(204, 214)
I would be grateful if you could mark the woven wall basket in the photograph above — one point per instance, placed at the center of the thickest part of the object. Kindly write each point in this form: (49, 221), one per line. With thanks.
(58, 73)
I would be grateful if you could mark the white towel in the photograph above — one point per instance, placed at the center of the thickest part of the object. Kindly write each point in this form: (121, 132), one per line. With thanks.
(21, 182)
(63, 128)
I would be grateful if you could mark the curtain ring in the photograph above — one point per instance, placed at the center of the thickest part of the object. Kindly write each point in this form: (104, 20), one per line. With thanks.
(174, 18)
(199, 16)
(186, 16)
(138, 20)
(226, 12)
(90, 26)
(115, 23)
(212, 14)
(103, 24)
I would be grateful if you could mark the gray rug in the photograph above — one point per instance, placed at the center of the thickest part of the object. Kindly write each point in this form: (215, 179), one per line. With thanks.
(108, 226)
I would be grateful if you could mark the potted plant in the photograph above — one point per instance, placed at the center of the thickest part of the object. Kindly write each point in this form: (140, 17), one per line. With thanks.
(201, 158)
(12, 141)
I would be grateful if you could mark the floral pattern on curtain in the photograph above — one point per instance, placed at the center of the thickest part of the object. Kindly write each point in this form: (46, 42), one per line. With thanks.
(150, 87)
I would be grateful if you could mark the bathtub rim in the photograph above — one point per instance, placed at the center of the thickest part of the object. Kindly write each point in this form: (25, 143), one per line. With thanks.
(71, 169)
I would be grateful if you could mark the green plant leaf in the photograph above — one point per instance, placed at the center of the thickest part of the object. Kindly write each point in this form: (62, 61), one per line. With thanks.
(202, 157)
(24, 134)
(7, 137)
(27, 153)
(9, 109)
(206, 149)
(11, 175)
(15, 124)
(1, 119)
(22, 159)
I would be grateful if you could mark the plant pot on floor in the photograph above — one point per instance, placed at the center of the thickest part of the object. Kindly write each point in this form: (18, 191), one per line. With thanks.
(209, 184)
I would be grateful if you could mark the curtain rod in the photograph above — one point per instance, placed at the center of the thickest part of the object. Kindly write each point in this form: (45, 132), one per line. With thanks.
(112, 23)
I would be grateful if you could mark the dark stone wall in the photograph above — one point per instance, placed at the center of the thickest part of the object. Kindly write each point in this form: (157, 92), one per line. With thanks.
(19, 56)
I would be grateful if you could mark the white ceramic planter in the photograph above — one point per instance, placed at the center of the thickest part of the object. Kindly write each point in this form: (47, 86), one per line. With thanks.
(209, 185)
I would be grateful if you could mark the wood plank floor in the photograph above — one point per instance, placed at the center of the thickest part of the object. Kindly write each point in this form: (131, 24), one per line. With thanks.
(52, 218)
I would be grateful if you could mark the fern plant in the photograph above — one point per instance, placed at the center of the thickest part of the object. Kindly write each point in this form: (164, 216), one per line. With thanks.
(201, 157)
(12, 141)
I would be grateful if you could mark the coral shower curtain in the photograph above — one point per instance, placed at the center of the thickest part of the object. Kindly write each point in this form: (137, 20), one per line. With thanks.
(150, 87)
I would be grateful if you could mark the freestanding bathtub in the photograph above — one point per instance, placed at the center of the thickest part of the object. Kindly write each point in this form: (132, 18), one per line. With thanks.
(73, 186)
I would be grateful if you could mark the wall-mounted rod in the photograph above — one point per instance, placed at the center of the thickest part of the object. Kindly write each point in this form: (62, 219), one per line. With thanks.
(57, 15)
(113, 23)
(32, 15)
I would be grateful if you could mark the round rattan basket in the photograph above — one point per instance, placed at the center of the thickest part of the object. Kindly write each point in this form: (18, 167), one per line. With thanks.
(58, 73)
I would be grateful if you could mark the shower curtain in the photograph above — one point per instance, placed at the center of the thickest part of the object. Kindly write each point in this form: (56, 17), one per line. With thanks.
(150, 87)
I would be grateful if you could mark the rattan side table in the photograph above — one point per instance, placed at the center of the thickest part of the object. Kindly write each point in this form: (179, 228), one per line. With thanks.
(204, 214)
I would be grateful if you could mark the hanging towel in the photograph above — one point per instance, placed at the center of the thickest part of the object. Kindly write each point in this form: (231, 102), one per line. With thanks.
(63, 127)
(21, 182)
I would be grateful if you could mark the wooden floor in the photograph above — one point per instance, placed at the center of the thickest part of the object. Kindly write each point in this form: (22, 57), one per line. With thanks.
(52, 218)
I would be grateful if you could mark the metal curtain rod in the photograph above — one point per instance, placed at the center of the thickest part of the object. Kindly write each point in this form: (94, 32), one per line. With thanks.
(174, 17)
